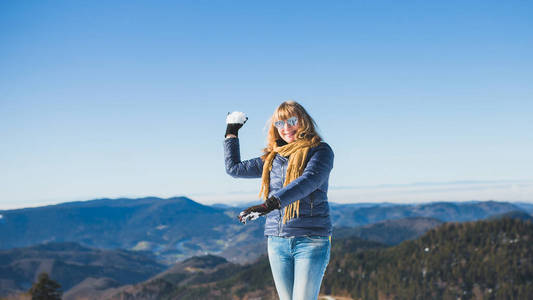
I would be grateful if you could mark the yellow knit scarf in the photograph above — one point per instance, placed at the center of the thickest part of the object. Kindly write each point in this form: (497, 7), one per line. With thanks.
(297, 152)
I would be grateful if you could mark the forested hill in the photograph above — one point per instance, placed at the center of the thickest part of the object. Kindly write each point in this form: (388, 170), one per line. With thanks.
(479, 260)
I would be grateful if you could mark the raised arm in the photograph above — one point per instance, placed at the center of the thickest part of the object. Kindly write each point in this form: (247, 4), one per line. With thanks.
(252, 168)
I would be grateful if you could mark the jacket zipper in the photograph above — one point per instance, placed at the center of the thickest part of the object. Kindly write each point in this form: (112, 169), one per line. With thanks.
(280, 214)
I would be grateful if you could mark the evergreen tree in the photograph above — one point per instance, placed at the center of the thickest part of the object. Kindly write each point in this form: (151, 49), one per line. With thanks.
(45, 289)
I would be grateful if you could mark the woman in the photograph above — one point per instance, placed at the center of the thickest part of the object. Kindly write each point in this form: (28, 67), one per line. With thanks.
(294, 172)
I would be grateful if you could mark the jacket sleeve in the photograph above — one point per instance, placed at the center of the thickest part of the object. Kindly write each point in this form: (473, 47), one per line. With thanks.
(252, 168)
(315, 174)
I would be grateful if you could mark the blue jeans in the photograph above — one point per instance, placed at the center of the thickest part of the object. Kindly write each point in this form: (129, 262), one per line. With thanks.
(298, 265)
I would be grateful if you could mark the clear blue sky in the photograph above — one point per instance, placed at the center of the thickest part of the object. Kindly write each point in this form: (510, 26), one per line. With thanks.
(129, 98)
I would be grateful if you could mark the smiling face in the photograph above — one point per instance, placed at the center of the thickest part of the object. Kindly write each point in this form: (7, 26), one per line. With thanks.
(287, 129)
(290, 122)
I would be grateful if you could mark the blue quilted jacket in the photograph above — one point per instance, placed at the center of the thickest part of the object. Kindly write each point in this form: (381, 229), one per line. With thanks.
(311, 189)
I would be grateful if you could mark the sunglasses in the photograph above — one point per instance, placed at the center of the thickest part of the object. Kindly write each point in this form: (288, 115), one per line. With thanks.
(292, 121)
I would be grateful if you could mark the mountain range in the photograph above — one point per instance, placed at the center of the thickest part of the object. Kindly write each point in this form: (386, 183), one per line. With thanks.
(173, 229)
(176, 228)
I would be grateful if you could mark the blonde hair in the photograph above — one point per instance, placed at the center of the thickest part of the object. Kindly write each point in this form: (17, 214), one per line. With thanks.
(306, 130)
